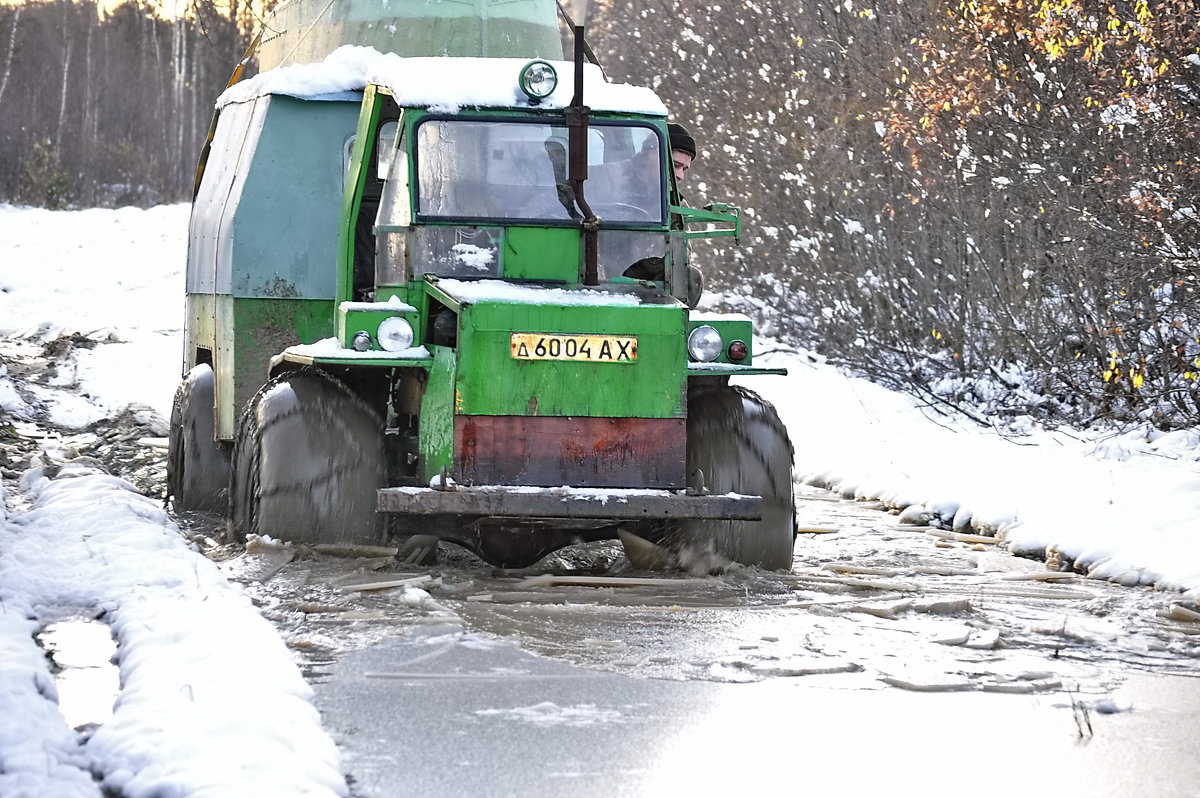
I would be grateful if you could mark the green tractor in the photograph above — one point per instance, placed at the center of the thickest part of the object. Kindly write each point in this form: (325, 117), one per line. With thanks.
(408, 310)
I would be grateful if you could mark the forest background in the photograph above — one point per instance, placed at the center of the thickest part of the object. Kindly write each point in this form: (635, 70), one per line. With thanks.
(989, 203)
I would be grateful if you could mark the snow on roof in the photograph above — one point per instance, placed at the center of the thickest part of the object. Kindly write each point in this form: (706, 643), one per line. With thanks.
(442, 84)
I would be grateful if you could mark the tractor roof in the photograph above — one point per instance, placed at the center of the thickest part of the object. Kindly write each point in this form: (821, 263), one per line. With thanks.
(442, 84)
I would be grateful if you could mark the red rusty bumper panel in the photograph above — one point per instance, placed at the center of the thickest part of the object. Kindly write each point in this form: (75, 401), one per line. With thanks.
(519, 501)
(561, 450)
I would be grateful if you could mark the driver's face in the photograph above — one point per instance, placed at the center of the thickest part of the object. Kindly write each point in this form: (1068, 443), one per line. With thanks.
(682, 162)
(556, 152)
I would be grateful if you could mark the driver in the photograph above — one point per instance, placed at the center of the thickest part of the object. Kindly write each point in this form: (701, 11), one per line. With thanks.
(683, 153)
(683, 150)
(556, 151)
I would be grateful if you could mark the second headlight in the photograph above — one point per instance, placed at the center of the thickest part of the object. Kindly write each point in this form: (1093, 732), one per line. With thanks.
(395, 334)
(704, 344)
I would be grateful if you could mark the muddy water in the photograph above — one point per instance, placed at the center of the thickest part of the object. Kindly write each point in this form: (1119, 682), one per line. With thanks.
(888, 658)
(868, 604)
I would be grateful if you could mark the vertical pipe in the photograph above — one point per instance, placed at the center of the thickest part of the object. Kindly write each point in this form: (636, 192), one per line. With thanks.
(577, 132)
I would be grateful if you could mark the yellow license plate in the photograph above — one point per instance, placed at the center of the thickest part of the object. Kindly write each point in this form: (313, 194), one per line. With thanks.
(588, 348)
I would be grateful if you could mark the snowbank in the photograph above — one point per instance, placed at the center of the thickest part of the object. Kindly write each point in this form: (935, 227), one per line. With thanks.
(1124, 507)
(211, 702)
(115, 277)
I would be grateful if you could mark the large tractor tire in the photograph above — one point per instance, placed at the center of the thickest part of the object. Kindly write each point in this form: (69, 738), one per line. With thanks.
(736, 443)
(308, 461)
(197, 466)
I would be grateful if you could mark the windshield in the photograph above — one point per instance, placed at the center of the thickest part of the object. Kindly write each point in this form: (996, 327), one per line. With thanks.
(517, 171)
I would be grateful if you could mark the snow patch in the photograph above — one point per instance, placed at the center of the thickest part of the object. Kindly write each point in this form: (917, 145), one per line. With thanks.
(211, 699)
(548, 713)
(474, 292)
(332, 347)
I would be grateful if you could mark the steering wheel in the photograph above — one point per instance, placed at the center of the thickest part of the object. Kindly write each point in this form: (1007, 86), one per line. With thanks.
(621, 211)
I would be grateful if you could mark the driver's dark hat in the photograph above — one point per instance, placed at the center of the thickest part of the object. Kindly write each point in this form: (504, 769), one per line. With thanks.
(681, 139)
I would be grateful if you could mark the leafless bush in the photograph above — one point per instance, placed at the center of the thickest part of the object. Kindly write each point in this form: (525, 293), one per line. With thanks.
(980, 202)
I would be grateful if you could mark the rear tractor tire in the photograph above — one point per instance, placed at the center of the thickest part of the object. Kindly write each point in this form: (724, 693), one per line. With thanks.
(308, 462)
(737, 441)
(197, 466)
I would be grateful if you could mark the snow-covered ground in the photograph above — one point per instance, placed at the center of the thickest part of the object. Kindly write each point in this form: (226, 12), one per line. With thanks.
(1125, 506)
(211, 701)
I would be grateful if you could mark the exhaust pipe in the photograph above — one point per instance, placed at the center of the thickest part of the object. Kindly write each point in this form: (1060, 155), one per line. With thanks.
(577, 141)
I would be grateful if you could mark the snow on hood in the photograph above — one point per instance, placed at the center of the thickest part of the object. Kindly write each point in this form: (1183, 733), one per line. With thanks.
(476, 291)
(441, 83)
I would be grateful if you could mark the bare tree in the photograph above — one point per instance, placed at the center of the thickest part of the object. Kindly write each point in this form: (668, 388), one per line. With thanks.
(12, 46)
(986, 202)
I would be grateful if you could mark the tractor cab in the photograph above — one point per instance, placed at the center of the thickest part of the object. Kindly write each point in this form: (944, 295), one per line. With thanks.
(502, 192)
(487, 196)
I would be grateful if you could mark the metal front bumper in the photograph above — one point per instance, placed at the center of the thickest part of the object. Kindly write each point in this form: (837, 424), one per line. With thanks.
(511, 501)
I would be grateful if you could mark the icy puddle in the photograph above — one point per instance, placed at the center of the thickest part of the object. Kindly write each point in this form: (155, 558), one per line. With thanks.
(87, 680)
(869, 603)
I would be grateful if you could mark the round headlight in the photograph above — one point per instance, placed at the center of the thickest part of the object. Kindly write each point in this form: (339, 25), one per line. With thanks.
(704, 344)
(395, 334)
(538, 80)
(362, 341)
